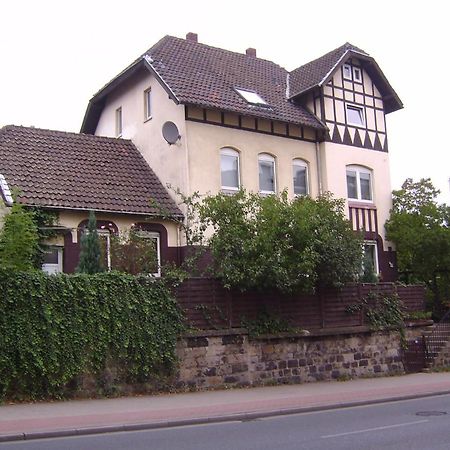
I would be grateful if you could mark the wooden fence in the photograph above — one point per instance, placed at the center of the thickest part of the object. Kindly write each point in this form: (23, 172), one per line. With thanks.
(208, 305)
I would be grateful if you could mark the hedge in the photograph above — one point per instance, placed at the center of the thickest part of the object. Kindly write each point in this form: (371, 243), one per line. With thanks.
(55, 328)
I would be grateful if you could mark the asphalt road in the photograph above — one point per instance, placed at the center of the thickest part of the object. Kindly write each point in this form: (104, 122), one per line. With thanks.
(422, 424)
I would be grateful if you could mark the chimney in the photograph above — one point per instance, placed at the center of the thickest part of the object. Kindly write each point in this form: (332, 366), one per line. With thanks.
(251, 52)
(192, 37)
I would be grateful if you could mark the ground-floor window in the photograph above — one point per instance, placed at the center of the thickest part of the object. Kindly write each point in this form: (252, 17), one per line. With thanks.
(52, 260)
(371, 256)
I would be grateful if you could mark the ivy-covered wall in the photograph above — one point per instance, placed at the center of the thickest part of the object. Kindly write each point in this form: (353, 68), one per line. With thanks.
(56, 330)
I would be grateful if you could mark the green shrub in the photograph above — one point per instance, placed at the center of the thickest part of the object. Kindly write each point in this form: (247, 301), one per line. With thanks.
(18, 240)
(55, 328)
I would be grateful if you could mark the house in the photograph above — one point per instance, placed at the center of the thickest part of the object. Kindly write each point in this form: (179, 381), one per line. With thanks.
(72, 174)
(209, 120)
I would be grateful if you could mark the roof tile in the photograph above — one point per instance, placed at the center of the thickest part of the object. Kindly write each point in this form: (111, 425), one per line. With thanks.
(80, 171)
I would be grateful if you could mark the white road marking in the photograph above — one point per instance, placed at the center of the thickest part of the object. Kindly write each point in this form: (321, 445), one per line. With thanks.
(374, 429)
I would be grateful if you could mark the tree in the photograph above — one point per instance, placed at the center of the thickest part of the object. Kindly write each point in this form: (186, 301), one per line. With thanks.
(419, 227)
(133, 252)
(270, 242)
(90, 253)
(18, 240)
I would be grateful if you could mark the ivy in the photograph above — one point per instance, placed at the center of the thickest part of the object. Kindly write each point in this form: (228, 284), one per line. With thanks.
(266, 323)
(383, 312)
(54, 329)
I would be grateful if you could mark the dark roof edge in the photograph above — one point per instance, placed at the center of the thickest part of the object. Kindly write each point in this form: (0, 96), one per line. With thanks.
(391, 97)
(111, 211)
(97, 102)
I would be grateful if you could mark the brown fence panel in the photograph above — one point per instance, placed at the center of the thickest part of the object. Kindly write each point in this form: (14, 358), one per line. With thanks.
(208, 305)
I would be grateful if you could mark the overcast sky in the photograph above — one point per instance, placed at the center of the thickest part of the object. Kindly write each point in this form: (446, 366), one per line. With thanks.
(56, 54)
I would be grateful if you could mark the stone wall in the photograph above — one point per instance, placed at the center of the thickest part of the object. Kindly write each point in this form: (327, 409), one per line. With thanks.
(215, 359)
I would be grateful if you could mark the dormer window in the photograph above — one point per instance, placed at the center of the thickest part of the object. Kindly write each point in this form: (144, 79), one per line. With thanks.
(347, 71)
(251, 97)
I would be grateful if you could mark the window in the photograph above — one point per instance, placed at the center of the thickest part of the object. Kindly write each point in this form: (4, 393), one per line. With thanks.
(156, 239)
(229, 169)
(371, 256)
(119, 122)
(105, 247)
(147, 104)
(266, 166)
(251, 97)
(355, 115)
(359, 183)
(357, 74)
(347, 71)
(52, 260)
(300, 175)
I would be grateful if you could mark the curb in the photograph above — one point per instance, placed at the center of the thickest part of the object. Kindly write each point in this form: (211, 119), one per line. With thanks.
(206, 420)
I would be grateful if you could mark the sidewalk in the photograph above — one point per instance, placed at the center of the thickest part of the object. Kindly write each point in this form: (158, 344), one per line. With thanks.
(38, 420)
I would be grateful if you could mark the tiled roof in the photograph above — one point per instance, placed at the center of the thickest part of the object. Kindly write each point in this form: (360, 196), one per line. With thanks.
(313, 73)
(77, 171)
(207, 76)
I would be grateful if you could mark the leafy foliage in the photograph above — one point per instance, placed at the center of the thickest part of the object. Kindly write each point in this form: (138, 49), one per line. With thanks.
(19, 240)
(266, 323)
(54, 328)
(44, 220)
(90, 251)
(133, 253)
(383, 312)
(420, 229)
(264, 242)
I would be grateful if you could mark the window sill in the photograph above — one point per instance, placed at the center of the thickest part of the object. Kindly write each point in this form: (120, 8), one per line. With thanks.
(355, 203)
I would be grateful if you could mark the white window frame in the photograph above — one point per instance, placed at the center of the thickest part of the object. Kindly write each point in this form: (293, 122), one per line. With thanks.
(51, 268)
(300, 163)
(375, 255)
(347, 67)
(227, 151)
(157, 236)
(268, 158)
(361, 111)
(104, 232)
(357, 70)
(251, 96)
(148, 104)
(119, 122)
(359, 170)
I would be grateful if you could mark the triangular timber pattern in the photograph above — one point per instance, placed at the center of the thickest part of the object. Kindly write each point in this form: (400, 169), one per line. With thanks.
(357, 138)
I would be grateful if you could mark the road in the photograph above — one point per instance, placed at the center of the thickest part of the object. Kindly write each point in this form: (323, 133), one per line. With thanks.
(421, 424)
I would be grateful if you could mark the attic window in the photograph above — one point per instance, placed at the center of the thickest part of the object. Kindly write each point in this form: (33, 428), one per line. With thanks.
(6, 191)
(355, 115)
(251, 97)
(357, 74)
(347, 71)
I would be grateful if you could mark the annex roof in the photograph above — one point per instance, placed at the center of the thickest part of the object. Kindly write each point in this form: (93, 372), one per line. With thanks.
(317, 72)
(56, 169)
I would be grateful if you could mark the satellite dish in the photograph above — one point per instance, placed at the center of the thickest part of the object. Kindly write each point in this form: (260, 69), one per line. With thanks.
(170, 132)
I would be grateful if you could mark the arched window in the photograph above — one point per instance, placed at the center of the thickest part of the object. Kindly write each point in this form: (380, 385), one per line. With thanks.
(300, 177)
(229, 169)
(359, 183)
(266, 167)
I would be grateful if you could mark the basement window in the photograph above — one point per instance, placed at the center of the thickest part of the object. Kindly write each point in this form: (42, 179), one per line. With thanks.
(251, 97)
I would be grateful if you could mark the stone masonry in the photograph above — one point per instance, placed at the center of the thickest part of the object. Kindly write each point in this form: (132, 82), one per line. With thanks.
(235, 359)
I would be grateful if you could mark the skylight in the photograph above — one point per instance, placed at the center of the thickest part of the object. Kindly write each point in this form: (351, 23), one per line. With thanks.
(251, 97)
(5, 189)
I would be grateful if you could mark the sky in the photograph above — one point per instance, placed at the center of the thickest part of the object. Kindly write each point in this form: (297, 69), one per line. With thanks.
(56, 54)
